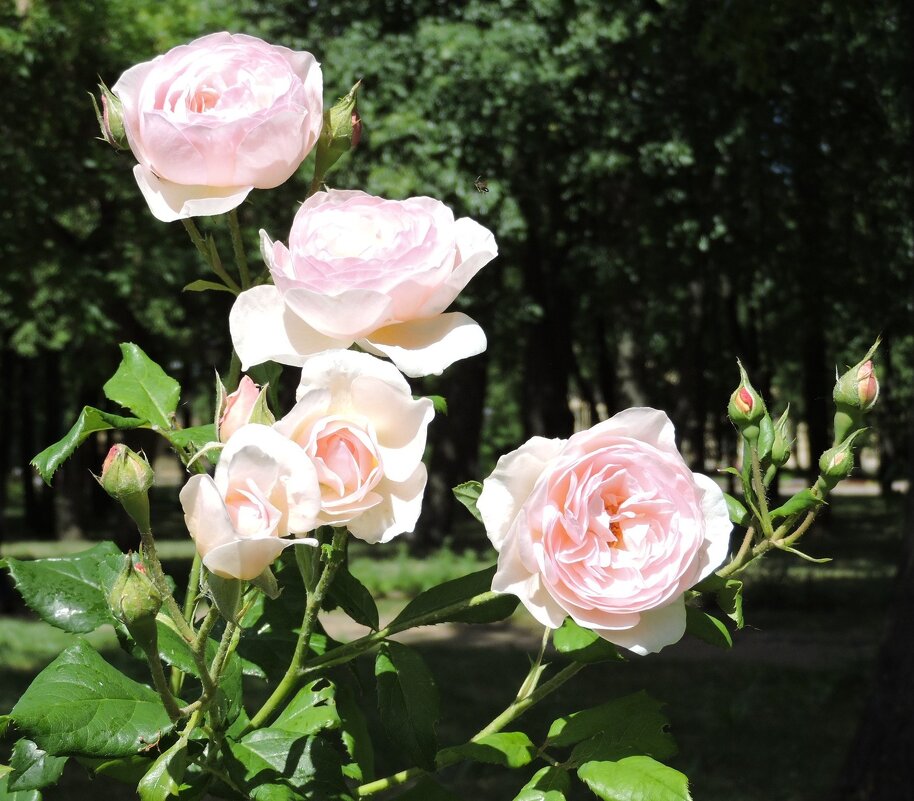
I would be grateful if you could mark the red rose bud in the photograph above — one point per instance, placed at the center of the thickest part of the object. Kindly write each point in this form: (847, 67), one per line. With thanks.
(746, 408)
(135, 602)
(855, 394)
(110, 118)
(127, 477)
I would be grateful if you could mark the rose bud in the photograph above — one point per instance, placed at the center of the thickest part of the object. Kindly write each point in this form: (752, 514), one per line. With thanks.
(855, 394)
(837, 463)
(341, 132)
(110, 118)
(247, 404)
(126, 477)
(780, 449)
(135, 601)
(746, 408)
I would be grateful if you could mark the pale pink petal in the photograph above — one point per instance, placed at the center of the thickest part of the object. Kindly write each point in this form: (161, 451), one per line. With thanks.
(657, 629)
(245, 558)
(264, 329)
(428, 346)
(507, 488)
(512, 579)
(476, 248)
(641, 423)
(348, 315)
(396, 514)
(337, 370)
(717, 526)
(205, 514)
(400, 423)
(170, 201)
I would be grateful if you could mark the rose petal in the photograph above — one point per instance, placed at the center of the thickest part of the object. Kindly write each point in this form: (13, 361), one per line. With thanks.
(718, 526)
(656, 629)
(264, 329)
(428, 346)
(245, 558)
(348, 315)
(398, 511)
(170, 201)
(507, 488)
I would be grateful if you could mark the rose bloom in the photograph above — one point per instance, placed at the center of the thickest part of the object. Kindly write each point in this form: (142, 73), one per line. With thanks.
(264, 489)
(211, 120)
(609, 527)
(358, 422)
(363, 269)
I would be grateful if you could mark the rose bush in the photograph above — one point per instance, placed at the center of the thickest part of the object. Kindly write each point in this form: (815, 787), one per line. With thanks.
(211, 120)
(609, 527)
(357, 420)
(264, 489)
(362, 269)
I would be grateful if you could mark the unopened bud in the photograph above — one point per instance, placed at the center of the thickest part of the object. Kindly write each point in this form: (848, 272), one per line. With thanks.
(780, 449)
(247, 404)
(746, 408)
(135, 602)
(341, 132)
(855, 394)
(126, 477)
(110, 118)
(837, 463)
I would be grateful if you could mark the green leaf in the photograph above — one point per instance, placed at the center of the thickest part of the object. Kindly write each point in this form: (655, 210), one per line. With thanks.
(310, 711)
(90, 420)
(439, 403)
(79, 704)
(66, 591)
(139, 384)
(202, 285)
(803, 501)
(124, 769)
(355, 734)
(408, 702)
(454, 592)
(622, 727)
(427, 789)
(582, 645)
(33, 768)
(195, 437)
(707, 627)
(468, 494)
(512, 749)
(164, 778)
(730, 601)
(547, 784)
(636, 778)
(276, 765)
(353, 597)
(765, 437)
(738, 513)
(11, 795)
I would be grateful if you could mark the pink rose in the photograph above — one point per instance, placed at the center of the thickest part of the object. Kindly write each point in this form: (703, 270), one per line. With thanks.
(237, 408)
(609, 527)
(264, 489)
(367, 270)
(357, 420)
(211, 120)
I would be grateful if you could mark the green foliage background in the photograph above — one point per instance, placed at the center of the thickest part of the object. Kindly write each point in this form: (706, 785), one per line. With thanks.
(672, 184)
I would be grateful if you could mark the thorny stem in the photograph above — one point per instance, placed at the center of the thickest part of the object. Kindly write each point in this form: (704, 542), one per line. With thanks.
(241, 259)
(209, 254)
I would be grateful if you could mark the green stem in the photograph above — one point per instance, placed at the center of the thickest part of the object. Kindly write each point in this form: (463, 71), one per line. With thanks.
(227, 645)
(450, 756)
(157, 575)
(241, 259)
(350, 650)
(293, 674)
(161, 684)
(759, 491)
(190, 603)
